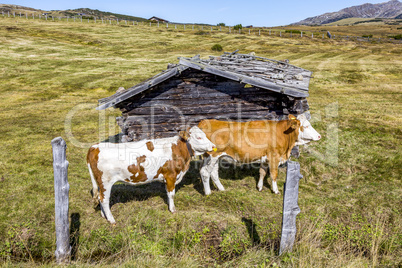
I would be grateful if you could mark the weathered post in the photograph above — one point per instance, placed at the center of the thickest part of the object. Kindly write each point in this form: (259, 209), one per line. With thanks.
(61, 189)
(290, 206)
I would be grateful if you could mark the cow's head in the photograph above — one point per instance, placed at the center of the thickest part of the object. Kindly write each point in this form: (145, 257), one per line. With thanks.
(197, 140)
(306, 133)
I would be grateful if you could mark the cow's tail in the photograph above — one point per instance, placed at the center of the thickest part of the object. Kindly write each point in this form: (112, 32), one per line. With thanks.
(95, 192)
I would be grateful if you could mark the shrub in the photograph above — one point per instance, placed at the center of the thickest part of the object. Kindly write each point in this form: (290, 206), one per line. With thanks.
(221, 24)
(396, 37)
(217, 47)
(238, 26)
(293, 31)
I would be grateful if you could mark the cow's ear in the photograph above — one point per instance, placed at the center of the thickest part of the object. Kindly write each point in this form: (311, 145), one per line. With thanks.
(184, 135)
(294, 123)
(292, 117)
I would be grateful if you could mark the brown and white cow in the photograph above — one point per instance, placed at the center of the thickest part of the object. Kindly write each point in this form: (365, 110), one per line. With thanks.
(143, 162)
(268, 142)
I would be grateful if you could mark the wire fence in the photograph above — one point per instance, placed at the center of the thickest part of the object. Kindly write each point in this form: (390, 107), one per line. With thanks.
(205, 29)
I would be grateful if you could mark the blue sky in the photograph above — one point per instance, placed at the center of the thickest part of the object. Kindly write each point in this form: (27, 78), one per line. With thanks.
(251, 12)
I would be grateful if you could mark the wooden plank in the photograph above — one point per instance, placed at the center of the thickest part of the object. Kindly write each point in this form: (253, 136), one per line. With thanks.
(202, 67)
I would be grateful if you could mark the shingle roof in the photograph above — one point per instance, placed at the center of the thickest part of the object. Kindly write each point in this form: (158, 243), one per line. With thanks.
(273, 75)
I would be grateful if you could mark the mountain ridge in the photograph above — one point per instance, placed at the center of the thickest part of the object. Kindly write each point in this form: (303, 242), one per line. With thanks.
(391, 9)
(88, 12)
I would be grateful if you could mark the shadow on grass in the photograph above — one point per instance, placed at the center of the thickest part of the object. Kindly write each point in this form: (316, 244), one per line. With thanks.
(74, 234)
(252, 231)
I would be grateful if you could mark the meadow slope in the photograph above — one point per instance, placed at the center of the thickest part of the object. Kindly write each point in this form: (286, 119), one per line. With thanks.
(53, 73)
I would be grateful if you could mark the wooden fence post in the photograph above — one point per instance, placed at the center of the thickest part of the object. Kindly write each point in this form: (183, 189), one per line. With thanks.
(61, 189)
(290, 206)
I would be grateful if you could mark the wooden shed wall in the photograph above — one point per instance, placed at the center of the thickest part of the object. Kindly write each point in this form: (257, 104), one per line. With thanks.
(183, 101)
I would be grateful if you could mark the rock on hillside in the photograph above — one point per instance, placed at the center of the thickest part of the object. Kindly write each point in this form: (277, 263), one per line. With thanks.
(391, 9)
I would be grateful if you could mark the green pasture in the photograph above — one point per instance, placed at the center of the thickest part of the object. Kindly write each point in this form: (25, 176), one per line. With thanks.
(53, 73)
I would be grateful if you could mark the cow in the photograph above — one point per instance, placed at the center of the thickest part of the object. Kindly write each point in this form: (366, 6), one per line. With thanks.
(142, 162)
(267, 142)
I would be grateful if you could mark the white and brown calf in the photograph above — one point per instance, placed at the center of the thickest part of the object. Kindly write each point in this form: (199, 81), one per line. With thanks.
(143, 162)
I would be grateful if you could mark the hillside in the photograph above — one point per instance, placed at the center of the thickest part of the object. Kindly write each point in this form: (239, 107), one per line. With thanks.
(391, 9)
(53, 73)
(88, 13)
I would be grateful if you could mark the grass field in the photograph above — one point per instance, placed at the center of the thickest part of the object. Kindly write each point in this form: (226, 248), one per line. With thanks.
(350, 197)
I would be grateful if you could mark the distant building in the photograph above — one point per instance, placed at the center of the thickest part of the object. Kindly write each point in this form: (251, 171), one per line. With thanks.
(250, 26)
(81, 14)
(158, 19)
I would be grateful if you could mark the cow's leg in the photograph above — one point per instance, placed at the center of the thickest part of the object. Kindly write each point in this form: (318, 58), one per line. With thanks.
(170, 190)
(95, 192)
(273, 172)
(263, 172)
(105, 207)
(210, 169)
(206, 174)
(215, 175)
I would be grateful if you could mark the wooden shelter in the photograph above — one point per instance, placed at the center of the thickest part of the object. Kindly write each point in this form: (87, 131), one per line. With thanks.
(158, 19)
(239, 87)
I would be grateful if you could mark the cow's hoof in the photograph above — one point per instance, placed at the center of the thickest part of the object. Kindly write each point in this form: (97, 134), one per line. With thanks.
(259, 189)
(173, 210)
(278, 193)
(113, 224)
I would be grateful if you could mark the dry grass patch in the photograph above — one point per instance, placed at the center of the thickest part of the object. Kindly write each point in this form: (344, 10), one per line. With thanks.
(351, 211)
